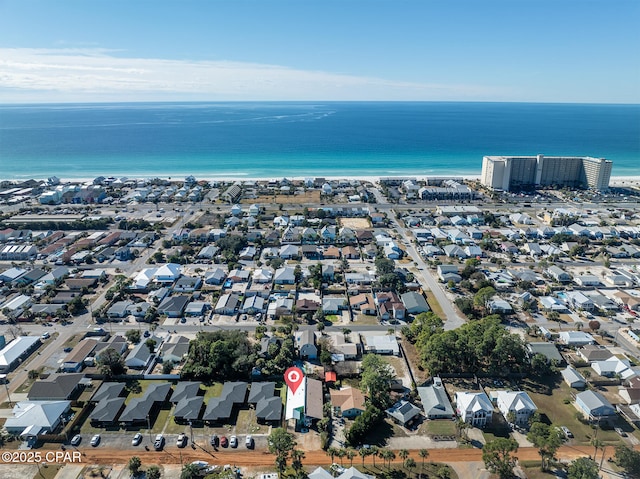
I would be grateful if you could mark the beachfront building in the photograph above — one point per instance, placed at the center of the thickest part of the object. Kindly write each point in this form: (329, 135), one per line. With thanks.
(513, 173)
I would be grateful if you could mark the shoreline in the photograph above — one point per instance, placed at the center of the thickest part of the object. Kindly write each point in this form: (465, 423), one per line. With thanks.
(615, 180)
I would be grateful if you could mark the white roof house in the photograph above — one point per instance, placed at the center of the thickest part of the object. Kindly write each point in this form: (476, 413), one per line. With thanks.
(16, 349)
(31, 418)
(262, 276)
(474, 408)
(575, 338)
(167, 273)
(573, 378)
(380, 344)
(613, 366)
(20, 301)
(517, 402)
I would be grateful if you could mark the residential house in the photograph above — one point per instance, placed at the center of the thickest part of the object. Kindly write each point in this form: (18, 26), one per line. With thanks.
(415, 302)
(284, 275)
(215, 276)
(613, 367)
(280, 306)
(558, 274)
(347, 402)
(173, 306)
(380, 343)
(403, 413)
(31, 419)
(516, 406)
(435, 403)
(575, 338)
(253, 305)
(174, 350)
(268, 406)
(474, 408)
(141, 355)
(227, 304)
(139, 410)
(57, 387)
(548, 350)
(630, 391)
(364, 303)
(594, 406)
(219, 409)
(74, 361)
(331, 305)
(573, 378)
(305, 342)
(167, 273)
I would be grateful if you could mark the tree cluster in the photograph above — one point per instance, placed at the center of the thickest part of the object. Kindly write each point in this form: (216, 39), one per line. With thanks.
(219, 355)
(628, 459)
(478, 346)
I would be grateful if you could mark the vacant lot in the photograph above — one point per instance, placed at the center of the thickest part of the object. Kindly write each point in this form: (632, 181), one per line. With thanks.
(297, 199)
(355, 223)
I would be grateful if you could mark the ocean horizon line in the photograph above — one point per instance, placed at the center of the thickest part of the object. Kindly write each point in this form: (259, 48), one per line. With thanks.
(178, 102)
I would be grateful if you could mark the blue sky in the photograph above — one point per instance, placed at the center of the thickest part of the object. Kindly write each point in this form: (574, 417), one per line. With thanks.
(489, 50)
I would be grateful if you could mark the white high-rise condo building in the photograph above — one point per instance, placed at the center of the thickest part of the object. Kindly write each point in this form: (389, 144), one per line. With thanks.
(513, 173)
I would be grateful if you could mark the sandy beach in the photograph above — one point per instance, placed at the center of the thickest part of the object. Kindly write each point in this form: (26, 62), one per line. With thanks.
(615, 180)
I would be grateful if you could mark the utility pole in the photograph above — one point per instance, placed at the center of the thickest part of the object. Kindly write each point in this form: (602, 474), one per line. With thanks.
(6, 385)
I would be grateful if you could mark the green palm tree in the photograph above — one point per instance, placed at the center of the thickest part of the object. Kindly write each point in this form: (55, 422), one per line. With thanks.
(341, 453)
(374, 451)
(423, 454)
(363, 453)
(331, 452)
(350, 453)
(410, 463)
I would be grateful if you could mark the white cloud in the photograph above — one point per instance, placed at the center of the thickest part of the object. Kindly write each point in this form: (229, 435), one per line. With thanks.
(97, 75)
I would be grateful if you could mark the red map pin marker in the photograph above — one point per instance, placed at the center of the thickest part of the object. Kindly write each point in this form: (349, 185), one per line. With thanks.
(293, 377)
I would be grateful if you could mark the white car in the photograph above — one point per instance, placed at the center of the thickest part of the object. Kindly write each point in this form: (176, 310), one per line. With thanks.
(233, 441)
(95, 440)
(137, 439)
(248, 442)
(76, 440)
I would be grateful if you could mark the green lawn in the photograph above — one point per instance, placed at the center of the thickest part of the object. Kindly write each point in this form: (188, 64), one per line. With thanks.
(552, 404)
(366, 319)
(434, 304)
(48, 471)
(439, 427)
(212, 391)
(26, 385)
(246, 423)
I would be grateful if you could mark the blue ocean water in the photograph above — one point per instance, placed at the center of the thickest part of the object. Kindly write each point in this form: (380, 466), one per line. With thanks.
(304, 138)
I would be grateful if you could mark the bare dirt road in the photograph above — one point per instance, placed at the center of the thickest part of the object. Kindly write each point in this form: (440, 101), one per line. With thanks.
(312, 458)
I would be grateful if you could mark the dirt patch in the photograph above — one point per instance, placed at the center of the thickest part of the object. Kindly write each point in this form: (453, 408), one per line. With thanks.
(355, 223)
(297, 199)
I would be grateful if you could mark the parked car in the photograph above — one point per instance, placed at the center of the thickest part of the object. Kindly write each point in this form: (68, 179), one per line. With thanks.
(95, 440)
(620, 431)
(249, 442)
(158, 444)
(224, 442)
(215, 440)
(67, 350)
(182, 440)
(45, 335)
(568, 434)
(233, 441)
(137, 439)
(76, 440)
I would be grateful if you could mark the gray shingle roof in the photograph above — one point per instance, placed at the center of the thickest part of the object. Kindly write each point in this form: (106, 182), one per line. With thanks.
(188, 408)
(186, 389)
(107, 410)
